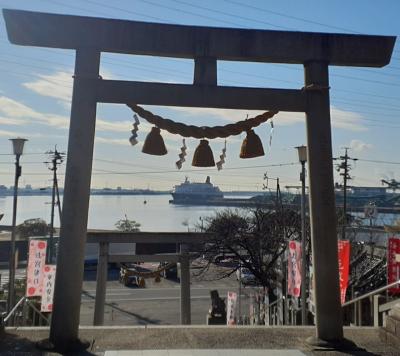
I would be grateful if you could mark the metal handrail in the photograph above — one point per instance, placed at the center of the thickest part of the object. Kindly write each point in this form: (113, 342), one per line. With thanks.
(29, 303)
(370, 294)
(14, 309)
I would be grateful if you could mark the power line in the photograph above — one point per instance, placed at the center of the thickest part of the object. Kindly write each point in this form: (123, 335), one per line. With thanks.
(378, 161)
(127, 11)
(289, 16)
(189, 13)
(25, 154)
(258, 76)
(187, 76)
(91, 11)
(100, 171)
(253, 20)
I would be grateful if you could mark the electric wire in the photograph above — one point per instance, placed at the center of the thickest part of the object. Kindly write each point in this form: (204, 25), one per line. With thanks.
(187, 76)
(258, 76)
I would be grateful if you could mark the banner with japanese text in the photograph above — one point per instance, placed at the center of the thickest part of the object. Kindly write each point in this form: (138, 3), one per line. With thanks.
(294, 269)
(34, 273)
(231, 308)
(49, 277)
(393, 263)
(344, 265)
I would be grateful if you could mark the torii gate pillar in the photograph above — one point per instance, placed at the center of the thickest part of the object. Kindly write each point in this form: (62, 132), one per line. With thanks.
(322, 204)
(71, 254)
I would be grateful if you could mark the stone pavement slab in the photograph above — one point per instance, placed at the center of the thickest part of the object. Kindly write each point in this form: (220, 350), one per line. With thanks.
(206, 352)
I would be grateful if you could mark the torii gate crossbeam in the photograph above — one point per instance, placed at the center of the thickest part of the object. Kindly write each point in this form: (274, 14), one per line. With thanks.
(205, 45)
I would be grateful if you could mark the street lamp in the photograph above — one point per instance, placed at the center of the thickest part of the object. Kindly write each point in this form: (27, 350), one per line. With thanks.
(302, 152)
(18, 148)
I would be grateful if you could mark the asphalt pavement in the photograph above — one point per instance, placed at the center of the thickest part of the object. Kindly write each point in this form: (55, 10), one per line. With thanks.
(158, 303)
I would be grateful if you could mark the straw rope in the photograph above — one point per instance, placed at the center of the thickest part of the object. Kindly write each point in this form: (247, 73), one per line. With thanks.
(203, 131)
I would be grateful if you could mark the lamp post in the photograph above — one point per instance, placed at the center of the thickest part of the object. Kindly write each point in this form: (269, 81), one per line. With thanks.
(18, 147)
(302, 152)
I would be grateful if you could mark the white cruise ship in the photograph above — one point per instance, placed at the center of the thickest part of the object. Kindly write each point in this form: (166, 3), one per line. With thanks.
(195, 193)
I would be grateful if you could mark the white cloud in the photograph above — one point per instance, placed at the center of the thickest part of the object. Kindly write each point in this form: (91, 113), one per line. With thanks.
(221, 114)
(10, 134)
(348, 120)
(359, 146)
(342, 119)
(57, 85)
(16, 111)
(112, 141)
(14, 122)
(116, 126)
(21, 114)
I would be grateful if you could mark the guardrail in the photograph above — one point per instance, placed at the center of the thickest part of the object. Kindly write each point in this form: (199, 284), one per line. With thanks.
(377, 308)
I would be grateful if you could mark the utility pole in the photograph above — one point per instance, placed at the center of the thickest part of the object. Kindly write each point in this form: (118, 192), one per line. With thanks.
(56, 159)
(344, 169)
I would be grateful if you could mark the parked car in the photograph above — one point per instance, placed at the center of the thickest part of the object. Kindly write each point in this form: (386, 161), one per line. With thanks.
(129, 278)
(245, 276)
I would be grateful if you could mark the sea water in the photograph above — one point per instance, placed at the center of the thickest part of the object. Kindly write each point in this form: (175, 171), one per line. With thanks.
(152, 212)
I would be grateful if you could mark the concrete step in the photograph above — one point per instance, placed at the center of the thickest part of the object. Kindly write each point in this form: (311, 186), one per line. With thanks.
(104, 339)
(206, 352)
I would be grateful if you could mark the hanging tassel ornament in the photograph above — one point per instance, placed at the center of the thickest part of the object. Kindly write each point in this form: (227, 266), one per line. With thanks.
(154, 143)
(221, 158)
(271, 132)
(181, 155)
(203, 156)
(251, 146)
(133, 139)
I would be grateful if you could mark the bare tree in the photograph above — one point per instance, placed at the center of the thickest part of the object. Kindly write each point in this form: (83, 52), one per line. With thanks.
(255, 239)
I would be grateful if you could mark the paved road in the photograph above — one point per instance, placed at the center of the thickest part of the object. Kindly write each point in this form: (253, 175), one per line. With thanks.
(158, 303)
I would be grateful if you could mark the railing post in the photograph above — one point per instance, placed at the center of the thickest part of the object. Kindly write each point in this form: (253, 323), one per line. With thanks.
(376, 310)
(359, 312)
(101, 283)
(185, 285)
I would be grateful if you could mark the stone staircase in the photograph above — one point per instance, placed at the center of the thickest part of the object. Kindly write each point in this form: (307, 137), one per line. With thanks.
(391, 332)
(367, 340)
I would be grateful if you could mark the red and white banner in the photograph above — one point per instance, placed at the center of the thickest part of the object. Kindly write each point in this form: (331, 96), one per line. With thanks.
(34, 273)
(231, 308)
(344, 264)
(393, 263)
(49, 277)
(294, 269)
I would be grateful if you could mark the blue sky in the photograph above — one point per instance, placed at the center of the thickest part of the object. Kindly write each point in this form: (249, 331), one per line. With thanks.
(36, 85)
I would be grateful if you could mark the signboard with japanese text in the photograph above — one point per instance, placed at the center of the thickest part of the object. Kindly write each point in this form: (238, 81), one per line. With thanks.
(231, 308)
(49, 276)
(294, 269)
(36, 261)
(344, 264)
(393, 263)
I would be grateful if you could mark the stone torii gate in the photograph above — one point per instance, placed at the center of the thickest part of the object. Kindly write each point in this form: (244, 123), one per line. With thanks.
(205, 45)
